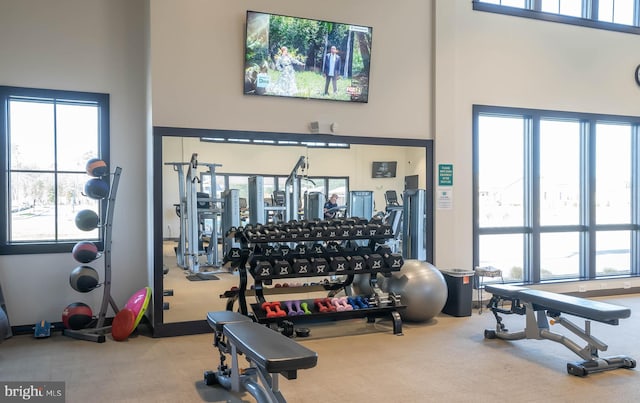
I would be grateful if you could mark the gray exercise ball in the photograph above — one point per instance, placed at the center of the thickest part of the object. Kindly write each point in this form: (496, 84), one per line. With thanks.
(422, 289)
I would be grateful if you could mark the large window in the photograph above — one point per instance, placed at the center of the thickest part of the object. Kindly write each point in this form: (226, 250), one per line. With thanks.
(47, 137)
(616, 15)
(556, 194)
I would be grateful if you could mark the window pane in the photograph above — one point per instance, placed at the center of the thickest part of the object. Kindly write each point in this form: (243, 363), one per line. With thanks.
(32, 207)
(31, 124)
(613, 174)
(510, 3)
(70, 201)
(77, 135)
(513, 3)
(559, 255)
(617, 11)
(339, 187)
(559, 172)
(500, 175)
(241, 183)
(564, 7)
(504, 252)
(612, 253)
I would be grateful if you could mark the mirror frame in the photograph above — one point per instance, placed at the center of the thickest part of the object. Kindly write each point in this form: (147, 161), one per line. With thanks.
(161, 329)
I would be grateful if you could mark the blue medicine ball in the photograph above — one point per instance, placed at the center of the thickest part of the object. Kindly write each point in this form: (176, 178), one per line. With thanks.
(96, 189)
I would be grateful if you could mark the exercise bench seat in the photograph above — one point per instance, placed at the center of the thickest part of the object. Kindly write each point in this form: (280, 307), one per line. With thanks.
(269, 349)
(584, 308)
(268, 352)
(536, 305)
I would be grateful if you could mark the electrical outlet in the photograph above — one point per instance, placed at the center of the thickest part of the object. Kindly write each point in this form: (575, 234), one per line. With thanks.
(627, 285)
(582, 288)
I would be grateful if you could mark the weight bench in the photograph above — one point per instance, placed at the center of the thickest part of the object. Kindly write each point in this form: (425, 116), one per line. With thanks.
(537, 304)
(268, 352)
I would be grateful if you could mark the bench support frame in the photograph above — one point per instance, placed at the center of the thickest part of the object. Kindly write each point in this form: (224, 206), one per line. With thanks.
(537, 328)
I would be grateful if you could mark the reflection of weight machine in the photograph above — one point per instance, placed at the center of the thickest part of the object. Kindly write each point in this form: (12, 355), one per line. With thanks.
(413, 225)
(194, 210)
(258, 212)
(292, 190)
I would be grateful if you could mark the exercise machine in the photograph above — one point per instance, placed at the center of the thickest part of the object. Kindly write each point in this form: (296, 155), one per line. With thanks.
(413, 225)
(269, 353)
(360, 204)
(536, 305)
(230, 217)
(194, 210)
(258, 212)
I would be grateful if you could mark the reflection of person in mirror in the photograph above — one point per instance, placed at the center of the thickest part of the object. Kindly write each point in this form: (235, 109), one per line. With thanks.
(331, 70)
(330, 207)
(286, 84)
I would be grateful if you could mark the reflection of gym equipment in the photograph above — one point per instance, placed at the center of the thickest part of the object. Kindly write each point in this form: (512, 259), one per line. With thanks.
(269, 353)
(292, 190)
(394, 212)
(230, 217)
(258, 212)
(360, 204)
(536, 305)
(314, 206)
(413, 225)
(195, 209)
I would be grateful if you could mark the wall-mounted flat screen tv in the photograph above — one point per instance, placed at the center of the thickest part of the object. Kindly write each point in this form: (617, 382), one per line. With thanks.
(383, 169)
(305, 58)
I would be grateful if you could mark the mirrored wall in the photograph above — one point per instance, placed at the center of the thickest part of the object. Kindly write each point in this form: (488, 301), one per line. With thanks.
(332, 164)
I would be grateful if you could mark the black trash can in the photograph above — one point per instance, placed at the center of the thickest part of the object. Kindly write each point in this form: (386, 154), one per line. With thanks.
(460, 288)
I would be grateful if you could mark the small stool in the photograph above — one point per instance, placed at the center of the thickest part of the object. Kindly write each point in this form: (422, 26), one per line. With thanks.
(482, 272)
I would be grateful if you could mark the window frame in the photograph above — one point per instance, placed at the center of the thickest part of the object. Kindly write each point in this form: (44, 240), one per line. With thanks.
(588, 226)
(45, 95)
(590, 7)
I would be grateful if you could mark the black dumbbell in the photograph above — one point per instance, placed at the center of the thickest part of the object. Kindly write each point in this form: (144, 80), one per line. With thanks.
(233, 255)
(300, 251)
(372, 229)
(393, 261)
(373, 261)
(301, 266)
(281, 267)
(338, 264)
(333, 248)
(358, 231)
(262, 269)
(317, 250)
(356, 263)
(319, 265)
(344, 231)
(285, 252)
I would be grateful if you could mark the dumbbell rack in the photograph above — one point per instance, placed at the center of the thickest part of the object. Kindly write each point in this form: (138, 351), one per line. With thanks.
(258, 241)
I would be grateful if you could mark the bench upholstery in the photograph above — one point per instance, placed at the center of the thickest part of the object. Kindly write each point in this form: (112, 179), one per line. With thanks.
(584, 308)
(269, 349)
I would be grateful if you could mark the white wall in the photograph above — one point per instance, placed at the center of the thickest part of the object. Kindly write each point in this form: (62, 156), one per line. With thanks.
(95, 46)
(491, 59)
(197, 64)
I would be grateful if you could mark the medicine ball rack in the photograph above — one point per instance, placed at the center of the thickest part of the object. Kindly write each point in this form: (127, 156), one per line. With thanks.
(338, 249)
(97, 333)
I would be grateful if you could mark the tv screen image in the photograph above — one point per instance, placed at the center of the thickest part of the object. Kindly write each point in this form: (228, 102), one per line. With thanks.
(306, 58)
(386, 169)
